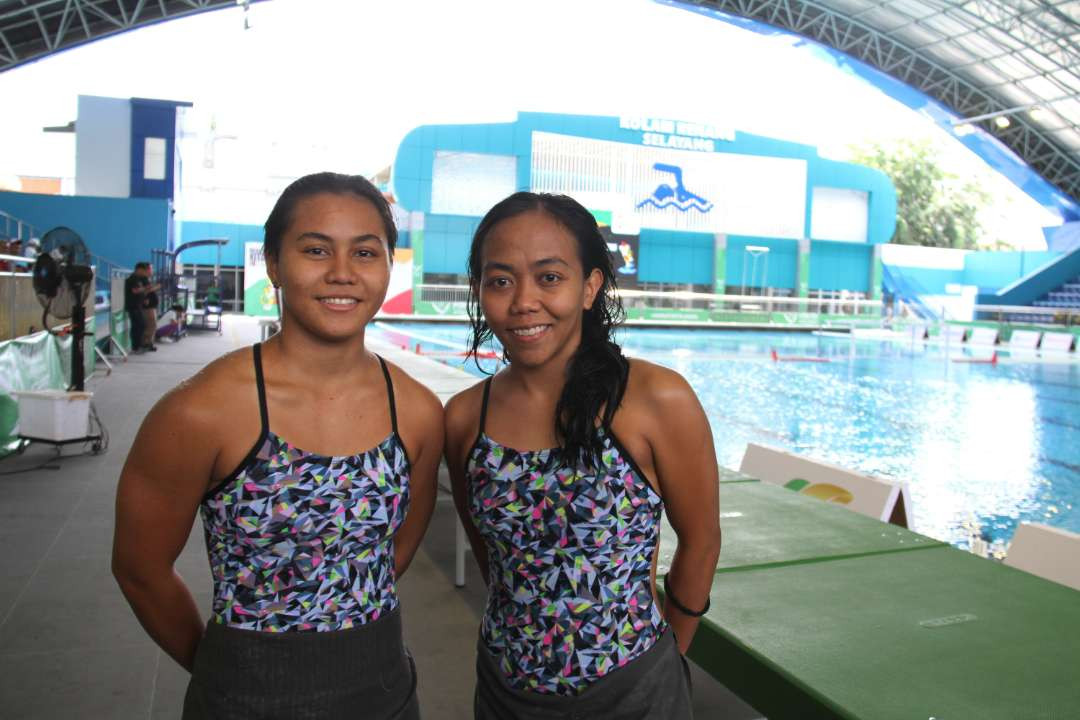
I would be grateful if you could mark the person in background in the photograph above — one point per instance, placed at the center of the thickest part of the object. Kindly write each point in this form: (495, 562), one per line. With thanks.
(135, 288)
(150, 311)
(180, 316)
(562, 464)
(213, 297)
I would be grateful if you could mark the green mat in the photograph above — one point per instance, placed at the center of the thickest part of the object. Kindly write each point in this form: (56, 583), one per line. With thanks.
(937, 633)
(9, 417)
(767, 525)
(733, 476)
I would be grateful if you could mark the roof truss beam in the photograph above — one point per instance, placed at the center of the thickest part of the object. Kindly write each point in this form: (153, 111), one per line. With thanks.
(1039, 26)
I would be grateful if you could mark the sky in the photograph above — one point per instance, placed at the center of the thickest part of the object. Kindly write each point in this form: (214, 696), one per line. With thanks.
(336, 84)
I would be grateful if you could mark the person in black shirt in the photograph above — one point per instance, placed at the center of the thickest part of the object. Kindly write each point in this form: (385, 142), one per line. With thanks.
(150, 308)
(136, 287)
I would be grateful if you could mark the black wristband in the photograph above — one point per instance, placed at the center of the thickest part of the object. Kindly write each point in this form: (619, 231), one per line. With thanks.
(679, 606)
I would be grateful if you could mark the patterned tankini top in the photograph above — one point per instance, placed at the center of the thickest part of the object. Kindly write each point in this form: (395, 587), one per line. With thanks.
(570, 562)
(305, 542)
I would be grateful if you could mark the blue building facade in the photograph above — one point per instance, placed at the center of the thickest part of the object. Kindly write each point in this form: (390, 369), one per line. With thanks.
(704, 206)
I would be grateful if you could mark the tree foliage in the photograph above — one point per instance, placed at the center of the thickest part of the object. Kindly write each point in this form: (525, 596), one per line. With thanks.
(933, 207)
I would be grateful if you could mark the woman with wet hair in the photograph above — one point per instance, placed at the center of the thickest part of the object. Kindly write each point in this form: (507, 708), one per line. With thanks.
(562, 464)
(312, 463)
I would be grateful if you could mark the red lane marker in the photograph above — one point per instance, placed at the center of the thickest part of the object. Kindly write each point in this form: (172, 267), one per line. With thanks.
(487, 355)
(992, 360)
(483, 355)
(797, 358)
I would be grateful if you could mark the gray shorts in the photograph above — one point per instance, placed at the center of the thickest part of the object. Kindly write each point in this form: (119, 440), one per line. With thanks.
(362, 672)
(653, 686)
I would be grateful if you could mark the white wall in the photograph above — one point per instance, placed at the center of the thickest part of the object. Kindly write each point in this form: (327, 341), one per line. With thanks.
(839, 214)
(103, 147)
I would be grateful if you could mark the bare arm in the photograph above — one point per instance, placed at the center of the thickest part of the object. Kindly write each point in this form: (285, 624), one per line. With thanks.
(427, 418)
(686, 469)
(160, 488)
(461, 429)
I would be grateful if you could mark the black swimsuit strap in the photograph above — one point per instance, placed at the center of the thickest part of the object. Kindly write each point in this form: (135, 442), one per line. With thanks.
(264, 415)
(389, 394)
(483, 406)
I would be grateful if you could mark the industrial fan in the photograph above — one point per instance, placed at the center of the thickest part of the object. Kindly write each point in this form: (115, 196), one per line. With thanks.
(63, 280)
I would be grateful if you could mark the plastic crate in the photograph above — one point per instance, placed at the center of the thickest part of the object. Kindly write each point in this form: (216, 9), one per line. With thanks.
(54, 414)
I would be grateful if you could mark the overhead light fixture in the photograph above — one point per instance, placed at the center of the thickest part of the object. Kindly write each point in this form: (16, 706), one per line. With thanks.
(1036, 111)
(69, 128)
(963, 129)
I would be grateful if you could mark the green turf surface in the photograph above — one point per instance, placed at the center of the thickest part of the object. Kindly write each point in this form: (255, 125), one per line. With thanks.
(733, 476)
(937, 633)
(766, 525)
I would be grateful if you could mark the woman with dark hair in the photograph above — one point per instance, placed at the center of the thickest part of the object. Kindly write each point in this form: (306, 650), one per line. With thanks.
(561, 465)
(312, 462)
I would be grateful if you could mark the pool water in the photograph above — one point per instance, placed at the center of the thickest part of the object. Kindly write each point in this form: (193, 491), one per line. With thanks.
(981, 446)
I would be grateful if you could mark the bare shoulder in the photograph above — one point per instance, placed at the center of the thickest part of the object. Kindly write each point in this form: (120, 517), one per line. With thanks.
(463, 413)
(657, 385)
(199, 400)
(187, 428)
(414, 397)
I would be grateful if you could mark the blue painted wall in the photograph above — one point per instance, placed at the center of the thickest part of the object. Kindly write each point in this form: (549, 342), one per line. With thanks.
(415, 159)
(783, 262)
(1062, 269)
(994, 270)
(153, 119)
(446, 243)
(840, 266)
(123, 230)
(990, 271)
(928, 281)
(231, 254)
(666, 256)
(679, 257)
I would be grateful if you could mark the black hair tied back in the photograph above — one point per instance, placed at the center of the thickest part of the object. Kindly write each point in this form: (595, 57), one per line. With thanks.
(597, 374)
(316, 184)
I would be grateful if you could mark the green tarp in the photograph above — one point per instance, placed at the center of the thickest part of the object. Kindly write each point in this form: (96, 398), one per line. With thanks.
(41, 361)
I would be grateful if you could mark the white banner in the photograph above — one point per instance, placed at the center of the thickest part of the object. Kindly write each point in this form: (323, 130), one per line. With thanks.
(673, 189)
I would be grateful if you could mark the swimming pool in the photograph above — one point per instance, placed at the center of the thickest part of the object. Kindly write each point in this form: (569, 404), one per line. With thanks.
(986, 444)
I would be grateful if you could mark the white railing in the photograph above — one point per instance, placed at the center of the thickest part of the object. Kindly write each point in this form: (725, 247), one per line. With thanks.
(453, 298)
(23, 230)
(454, 294)
(459, 294)
(749, 303)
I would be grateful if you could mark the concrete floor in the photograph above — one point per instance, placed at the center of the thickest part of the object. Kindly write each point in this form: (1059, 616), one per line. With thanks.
(70, 646)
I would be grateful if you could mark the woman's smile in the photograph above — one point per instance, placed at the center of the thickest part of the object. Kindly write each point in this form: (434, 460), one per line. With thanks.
(531, 333)
(339, 303)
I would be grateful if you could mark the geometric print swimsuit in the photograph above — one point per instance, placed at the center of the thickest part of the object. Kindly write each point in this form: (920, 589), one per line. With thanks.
(570, 556)
(304, 542)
